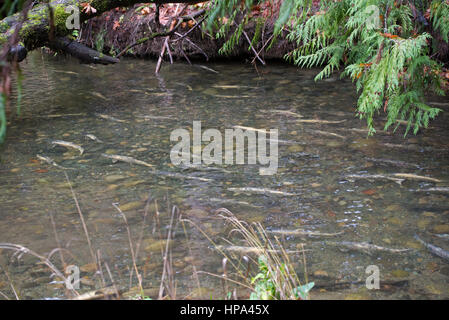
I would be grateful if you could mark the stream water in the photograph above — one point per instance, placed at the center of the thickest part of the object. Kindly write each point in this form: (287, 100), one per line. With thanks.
(132, 113)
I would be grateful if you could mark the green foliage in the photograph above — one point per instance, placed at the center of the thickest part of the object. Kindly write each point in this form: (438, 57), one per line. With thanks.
(99, 40)
(3, 103)
(75, 34)
(233, 40)
(284, 15)
(389, 62)
(302, 292)
(225, 13)
(398, 83)
(9, 7)
(222, 8)
(257, 33)
(140, 297)
(382, 45)
(439, 14)
(265, 287)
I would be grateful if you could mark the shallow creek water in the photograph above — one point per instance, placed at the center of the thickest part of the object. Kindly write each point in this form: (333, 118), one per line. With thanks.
(132, 112)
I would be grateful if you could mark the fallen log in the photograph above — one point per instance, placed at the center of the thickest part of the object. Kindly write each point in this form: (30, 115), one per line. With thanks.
(82, 52)
(37, 30)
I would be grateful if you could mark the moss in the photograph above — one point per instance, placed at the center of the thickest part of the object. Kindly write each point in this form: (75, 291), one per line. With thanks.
(3, 26)
(59, 15)
(32, 30)
(35, 29)
(36, 17)
(60, 18)
(27, 31)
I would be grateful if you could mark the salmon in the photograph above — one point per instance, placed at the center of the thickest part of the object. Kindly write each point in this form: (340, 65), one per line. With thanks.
(367, 247)
(262, 191)
(440, 252)
(298, 232)
(126, 159)
(69, 145)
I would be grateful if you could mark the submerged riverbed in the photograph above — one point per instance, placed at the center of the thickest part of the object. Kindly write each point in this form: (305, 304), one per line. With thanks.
(330, 179)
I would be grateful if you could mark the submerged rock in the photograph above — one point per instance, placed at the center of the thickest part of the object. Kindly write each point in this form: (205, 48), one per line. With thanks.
(396, 221)
(423, 223)
(414, 244)
(197, 213)
(153, 245)
(132, 205)
(321, 274)
(400, 273)
(90, 267)
(357, 296)
(114, 178)
(295, 148)
(441, 228)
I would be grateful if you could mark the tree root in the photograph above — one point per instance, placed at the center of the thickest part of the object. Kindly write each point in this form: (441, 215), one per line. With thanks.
(166, 33)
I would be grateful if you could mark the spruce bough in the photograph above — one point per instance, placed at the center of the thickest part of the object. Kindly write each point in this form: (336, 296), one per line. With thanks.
(386, 47)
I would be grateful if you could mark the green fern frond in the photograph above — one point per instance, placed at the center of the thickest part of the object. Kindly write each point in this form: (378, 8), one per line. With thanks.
(439, 15)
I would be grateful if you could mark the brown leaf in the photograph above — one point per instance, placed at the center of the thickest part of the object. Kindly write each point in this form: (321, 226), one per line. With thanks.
(145, 11)
(369, 192)
(330, 213)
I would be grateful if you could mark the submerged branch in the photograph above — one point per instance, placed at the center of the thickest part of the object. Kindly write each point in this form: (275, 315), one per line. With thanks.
(82, 52)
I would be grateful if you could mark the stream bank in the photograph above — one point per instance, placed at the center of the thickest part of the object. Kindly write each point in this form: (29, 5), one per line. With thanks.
(116, 29)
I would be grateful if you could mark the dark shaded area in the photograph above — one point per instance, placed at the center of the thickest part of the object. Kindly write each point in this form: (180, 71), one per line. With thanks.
(17, 53)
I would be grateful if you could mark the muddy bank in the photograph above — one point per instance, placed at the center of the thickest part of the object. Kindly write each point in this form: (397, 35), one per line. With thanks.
(113, 31)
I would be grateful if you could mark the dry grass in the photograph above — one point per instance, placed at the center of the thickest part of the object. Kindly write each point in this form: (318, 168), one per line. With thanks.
(280, 272)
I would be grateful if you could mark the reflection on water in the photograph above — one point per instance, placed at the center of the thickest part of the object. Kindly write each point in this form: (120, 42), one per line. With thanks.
(337, 180)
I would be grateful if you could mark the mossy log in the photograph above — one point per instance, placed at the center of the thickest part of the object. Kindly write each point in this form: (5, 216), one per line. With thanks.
(36, 31)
